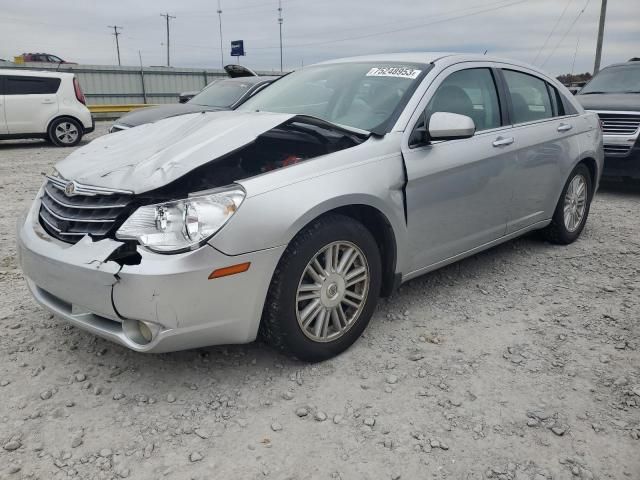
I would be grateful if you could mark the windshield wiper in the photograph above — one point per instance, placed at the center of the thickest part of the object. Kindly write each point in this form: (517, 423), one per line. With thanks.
(594, 92)
(351, 131)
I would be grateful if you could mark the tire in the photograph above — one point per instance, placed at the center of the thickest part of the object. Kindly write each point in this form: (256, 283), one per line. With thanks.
(287, 309)
(564, 229)
(65, 132)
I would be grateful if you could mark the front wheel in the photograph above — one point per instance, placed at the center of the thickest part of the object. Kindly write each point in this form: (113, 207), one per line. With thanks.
(324, 290)
(572, 209)
(65, 132)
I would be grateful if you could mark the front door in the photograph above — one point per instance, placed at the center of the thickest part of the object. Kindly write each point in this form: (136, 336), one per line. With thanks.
(457, 190)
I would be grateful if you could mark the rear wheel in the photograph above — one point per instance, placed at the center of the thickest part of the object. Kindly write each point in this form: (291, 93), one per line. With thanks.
(65, 132)
(572, 209)
(324, 290)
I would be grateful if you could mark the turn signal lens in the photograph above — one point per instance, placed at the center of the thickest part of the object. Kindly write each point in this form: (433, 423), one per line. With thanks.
(232, 270)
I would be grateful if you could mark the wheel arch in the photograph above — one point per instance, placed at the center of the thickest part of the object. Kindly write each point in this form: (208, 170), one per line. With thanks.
(382, 231)
(379, 225)
(592, 165)
(60, 116)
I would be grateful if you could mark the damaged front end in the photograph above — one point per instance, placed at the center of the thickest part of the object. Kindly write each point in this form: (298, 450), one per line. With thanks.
(145, 301)
(86, 252)
(183, 214)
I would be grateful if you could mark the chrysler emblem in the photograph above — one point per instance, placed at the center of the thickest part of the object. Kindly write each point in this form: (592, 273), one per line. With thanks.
(70, 189)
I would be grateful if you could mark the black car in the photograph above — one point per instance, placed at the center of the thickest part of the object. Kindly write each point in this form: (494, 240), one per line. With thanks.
(224, 94)
(614, 94)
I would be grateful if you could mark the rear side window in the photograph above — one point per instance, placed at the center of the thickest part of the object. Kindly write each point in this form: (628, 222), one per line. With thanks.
(530, 99)
(31, 85)
(469, 92)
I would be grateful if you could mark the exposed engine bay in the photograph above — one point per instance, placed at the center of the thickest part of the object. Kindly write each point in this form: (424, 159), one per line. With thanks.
(297, 140)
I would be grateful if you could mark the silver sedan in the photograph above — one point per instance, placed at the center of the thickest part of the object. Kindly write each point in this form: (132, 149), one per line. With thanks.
(289, 217)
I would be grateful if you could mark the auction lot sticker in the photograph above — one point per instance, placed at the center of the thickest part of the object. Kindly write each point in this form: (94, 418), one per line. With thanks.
(400, 72)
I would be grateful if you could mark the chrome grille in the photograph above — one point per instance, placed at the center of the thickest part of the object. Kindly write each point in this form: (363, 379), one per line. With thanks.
(90, 210)
(619, 124)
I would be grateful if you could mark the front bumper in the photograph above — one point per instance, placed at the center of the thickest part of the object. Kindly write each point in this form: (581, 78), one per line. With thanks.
(620, 160)
(92, 127)
(172, 292)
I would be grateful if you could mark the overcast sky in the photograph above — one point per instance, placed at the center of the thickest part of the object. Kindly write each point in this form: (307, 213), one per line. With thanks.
(316, 30)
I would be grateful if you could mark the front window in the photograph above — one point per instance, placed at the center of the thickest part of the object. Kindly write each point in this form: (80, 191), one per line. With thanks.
(469, 92)
(223, 93)
(620, 79)
(362, 95)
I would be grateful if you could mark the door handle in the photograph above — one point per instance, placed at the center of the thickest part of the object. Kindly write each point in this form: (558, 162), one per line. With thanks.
(47, 100)
(501, 142)
(564, 127)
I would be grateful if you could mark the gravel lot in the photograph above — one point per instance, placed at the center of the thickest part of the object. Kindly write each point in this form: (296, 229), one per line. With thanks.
(519, 363)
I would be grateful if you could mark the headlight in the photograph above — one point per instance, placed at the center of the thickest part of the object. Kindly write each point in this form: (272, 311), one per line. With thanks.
(181, 225)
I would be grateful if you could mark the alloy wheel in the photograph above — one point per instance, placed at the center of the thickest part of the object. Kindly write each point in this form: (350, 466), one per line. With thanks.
(66, 132)
(332, 291)
(575, 203)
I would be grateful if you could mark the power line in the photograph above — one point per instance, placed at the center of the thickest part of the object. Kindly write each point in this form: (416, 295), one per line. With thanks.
(566, 33)
(447, 18)
(116, 34)
(544, 45)
(259, 6)
(404, 29)
(167, 17)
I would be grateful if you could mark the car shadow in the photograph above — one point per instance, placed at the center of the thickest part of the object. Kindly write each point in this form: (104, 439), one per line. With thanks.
(629, 187)
(251, 357)
(35, 143)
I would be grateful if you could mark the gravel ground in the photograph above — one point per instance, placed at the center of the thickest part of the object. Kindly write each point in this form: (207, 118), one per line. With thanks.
(521, 363)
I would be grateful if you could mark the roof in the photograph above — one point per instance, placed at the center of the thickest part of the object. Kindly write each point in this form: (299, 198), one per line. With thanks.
(428, 57)
(26, 72)
(410, 57)
(434, 57)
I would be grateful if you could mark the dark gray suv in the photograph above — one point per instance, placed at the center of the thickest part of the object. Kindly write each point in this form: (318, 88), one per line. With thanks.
(614, 94)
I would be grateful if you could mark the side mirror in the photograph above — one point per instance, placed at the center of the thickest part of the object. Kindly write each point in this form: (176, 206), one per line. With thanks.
(450, 126)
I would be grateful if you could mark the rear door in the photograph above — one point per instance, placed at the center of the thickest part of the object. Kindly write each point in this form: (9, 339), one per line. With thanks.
(3, 121)
(546, 144)
(30, 102)
(458, 191)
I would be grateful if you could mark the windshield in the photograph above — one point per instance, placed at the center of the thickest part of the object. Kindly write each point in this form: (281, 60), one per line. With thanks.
(620, 79)
(222, 93)
(361, 95)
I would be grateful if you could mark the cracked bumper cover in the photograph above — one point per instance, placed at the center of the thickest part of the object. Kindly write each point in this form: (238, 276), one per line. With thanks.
(77, 284)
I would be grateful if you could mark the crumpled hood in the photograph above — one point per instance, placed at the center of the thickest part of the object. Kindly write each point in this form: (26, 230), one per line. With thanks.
(153, 114)
(152, 155)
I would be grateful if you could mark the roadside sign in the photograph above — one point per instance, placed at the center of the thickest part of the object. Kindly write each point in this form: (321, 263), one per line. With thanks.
(237, 48)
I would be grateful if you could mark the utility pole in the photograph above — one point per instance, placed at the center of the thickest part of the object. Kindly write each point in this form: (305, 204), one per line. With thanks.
(280, 23)
(167, 17)
(116, 33)
(220, 25)
(603, 13)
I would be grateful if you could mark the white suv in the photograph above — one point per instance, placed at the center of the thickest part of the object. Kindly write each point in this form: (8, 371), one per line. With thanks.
(50, 105)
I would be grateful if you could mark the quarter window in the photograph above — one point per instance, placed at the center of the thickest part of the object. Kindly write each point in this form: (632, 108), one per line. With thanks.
(530, 100)
(469, 92)
(31, 85)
